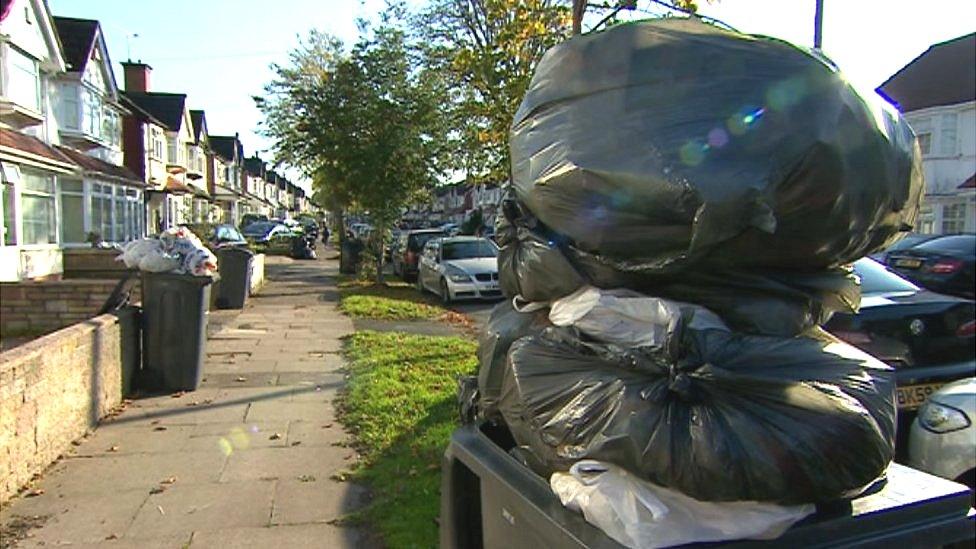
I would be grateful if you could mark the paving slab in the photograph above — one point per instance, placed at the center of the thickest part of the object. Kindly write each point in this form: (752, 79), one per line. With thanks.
(187, 508)
(292, 462)
(300, 536)
(84, 519)
(298, 502)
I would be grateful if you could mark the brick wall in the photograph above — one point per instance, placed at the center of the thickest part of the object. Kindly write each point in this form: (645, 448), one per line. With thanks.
(38, 307)
(52, 391)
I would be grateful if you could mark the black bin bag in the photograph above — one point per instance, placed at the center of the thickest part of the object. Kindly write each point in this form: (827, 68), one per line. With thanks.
(674, 144)
(530, 261)
(505, 325)
(728, 417)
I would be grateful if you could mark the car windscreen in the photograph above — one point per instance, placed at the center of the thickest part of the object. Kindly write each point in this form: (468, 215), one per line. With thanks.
(956, 245)
(468, 249)
(875, 279)
(259, 228)
(228, 234)
(415, 242)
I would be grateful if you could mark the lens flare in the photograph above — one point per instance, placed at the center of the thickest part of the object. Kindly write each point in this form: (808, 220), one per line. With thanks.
(718, 138)
(692, 153)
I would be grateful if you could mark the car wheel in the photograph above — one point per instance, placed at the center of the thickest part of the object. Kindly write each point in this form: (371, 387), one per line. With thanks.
(445, 293)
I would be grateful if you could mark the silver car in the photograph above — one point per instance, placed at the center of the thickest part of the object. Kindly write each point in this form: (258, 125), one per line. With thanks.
(942, 440)
(459, 267)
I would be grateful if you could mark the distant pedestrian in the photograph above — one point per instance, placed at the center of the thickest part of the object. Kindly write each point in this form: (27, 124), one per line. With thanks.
(325, 235)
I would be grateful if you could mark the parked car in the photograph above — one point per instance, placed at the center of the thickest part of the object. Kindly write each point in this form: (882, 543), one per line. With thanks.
(460, 267)
(225, 235)
(945, 264)
(943, 438)
(452, 229)
(408, 248)
(269, 237)
(929, 338)
(910, 240)
(249, 218)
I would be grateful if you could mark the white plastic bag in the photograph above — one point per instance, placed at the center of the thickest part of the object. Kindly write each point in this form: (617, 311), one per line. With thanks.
(619, 316)
(637, 513)
(199, 262)
(158, 261)
(133, 252)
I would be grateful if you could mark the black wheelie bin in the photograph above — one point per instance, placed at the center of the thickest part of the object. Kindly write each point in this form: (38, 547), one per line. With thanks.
(235, 276)
(174, 329)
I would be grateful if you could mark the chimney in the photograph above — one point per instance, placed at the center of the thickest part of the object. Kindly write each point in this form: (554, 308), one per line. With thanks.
(136, 76)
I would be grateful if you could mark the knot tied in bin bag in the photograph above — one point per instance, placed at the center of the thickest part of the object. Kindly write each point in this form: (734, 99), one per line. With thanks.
(733, 417)
(674, 144)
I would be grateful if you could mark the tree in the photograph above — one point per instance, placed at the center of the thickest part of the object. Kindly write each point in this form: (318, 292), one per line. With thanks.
(364, 125)
(488, 49)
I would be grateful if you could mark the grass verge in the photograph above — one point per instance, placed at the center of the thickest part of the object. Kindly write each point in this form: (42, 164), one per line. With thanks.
(391, 301)
(400, 405)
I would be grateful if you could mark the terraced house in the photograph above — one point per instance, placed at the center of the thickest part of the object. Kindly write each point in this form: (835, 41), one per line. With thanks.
(60, 143)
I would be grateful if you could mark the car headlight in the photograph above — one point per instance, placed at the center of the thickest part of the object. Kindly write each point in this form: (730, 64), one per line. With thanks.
(457, 275)
(940, 418)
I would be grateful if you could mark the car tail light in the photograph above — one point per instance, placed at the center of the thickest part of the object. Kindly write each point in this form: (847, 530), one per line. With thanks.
(854, 338)
(966, 330)
(946, 266)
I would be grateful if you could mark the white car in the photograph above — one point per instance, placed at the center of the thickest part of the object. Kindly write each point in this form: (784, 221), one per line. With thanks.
(459, 267)
(942, 440)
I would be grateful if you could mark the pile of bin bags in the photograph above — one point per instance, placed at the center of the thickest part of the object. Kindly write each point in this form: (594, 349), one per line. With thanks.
(685, 202)
(174, 251)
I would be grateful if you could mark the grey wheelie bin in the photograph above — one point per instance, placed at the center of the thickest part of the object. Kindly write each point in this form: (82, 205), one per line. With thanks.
(235, 276)
(489, 499)
(174, 329)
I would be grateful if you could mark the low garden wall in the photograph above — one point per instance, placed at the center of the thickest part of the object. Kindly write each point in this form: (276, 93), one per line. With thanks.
(52, 391)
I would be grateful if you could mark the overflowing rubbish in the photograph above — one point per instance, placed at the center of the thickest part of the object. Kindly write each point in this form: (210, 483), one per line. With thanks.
(638, 514)
(684, 207)
(174, 251)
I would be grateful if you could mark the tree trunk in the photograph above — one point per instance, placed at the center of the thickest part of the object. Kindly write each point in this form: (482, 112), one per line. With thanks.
(379, 252)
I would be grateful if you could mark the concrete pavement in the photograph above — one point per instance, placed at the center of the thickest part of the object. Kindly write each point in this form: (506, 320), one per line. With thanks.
(248, 460)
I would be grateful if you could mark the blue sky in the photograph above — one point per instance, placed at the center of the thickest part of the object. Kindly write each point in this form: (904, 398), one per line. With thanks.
(218, 51)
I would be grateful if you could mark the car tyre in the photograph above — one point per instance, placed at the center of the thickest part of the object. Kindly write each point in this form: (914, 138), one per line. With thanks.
(445, 293)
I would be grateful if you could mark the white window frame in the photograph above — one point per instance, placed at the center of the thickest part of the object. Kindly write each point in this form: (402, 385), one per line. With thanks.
(955, 223)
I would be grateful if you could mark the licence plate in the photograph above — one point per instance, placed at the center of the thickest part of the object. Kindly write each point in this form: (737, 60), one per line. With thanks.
(912, 396)
(910, 263)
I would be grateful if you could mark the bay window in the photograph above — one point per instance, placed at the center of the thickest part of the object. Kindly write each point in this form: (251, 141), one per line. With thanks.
(101, 211)
(92, 122)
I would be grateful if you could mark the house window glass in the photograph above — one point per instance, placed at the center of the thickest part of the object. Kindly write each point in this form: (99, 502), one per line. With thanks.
(101, 207)
(171, 153)
(947, 134)
(111, 129)
(23, 80)
(121, 234)
(953, 218)
(72, 200)
(69, 107)
(157, 143)
(92, 113)
(37, 199)
(9, 236)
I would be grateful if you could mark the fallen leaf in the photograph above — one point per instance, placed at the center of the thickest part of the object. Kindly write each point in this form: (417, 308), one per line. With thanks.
(170, 480)
(296, 443)
(177, 395)
(113, 449)
(154, 422)
(157, 490)
(327, 425)
(339, 476)
(192, 403)
(34, 493)
(159, 428)
(76, 443)
(241, 379)
(306, 478)
(112, 536)
(275, 436)
(160, 508)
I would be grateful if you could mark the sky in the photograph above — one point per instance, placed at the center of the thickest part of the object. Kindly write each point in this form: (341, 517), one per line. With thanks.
(218, 52)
